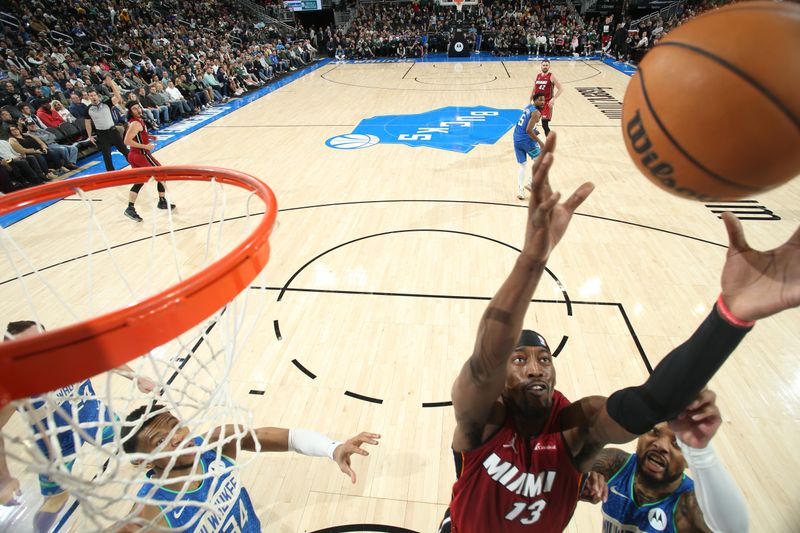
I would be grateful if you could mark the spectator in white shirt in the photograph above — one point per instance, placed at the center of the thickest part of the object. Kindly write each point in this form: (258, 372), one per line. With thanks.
(175, 95)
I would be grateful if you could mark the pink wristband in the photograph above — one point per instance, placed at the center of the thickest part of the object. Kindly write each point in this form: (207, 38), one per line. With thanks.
(728, 316)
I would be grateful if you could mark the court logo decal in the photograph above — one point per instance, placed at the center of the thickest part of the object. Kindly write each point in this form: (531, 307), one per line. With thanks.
(455, 129)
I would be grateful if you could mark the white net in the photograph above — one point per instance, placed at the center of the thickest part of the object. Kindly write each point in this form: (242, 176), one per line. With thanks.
(74, 443)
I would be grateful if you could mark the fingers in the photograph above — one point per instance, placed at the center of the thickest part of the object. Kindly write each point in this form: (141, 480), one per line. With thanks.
(736, 239)
(541, 185)
(366, 438)
(354, 448)
(543, 163)
(578, 197)
(705, 396)
(345, 467)
(542, 212)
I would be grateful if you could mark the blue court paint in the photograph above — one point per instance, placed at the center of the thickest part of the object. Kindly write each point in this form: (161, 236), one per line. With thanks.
(456, 129)
(167, 136)
(625, 68)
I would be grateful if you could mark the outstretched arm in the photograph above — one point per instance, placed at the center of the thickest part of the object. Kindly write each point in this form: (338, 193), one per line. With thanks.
(716, 504)
(754, 285)
(302, 441)
(481, 380)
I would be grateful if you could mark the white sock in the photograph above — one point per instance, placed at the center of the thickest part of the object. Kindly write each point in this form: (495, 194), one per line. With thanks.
(530, 178)
(521, 177)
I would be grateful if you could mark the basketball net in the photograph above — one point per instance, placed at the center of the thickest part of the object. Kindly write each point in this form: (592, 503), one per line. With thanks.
(191, 373)
(459, 4)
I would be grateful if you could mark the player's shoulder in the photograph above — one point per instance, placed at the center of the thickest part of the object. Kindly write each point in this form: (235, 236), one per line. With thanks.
(688, 515)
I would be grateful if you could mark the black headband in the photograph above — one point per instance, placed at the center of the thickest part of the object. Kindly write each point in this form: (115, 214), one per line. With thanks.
(528, 337)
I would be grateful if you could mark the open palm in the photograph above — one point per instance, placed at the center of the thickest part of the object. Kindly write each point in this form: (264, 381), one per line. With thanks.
(759, 284)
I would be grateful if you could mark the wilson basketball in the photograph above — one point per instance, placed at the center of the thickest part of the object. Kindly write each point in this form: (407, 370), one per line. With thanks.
(713, 111)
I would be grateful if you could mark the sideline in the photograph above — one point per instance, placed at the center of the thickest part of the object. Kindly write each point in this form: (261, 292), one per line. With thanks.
(167, 136)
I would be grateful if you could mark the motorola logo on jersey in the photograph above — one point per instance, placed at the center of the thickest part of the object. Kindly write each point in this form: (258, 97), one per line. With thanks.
(455, 129)
(657, 519)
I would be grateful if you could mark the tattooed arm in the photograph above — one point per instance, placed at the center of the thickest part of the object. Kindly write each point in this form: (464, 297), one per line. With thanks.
(607, 462)
(688, 516)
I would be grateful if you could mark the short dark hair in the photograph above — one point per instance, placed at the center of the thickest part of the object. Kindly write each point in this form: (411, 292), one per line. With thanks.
(15, 328)
(131, 428)
(537, 95)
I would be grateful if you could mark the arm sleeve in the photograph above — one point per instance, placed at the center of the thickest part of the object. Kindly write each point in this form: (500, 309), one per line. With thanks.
(311, 443)
(723, 505)
(678, 378)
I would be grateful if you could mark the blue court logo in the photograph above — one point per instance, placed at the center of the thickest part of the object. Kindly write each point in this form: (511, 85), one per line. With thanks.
(457, 129)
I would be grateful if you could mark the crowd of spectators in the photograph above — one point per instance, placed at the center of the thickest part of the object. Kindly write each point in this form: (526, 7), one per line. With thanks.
(412, 29)
(175, 59)
(631, 44)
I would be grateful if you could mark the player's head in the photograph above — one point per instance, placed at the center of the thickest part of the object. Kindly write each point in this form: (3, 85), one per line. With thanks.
(538, 100)
(530, 375)
(134, 109)
(21, 329)
(545, 66)
(94, 97)
(152, 427)
(658, 459)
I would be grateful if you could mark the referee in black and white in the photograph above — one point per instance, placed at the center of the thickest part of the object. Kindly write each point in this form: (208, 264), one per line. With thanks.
(100, 117)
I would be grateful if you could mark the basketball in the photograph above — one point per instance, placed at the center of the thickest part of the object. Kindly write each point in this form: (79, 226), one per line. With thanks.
(713, 113)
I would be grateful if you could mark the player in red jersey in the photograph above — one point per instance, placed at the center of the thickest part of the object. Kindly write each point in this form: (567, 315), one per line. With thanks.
(545, 81)
(519, 444)
(140, 155)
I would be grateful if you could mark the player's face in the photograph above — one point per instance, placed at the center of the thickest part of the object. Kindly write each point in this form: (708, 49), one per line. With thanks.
(136, 111)
(545, 66)
(539, 102)
(530, 379)
(159, 435)
(658, 458)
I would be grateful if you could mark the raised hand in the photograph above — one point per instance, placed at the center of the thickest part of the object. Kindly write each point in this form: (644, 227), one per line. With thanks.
(548, 219)
(759, 284)
(343, 452)
(698, 423)
(595, 490)
(145, 385)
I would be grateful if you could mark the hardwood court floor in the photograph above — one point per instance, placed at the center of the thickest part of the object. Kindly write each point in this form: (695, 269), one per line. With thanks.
(389, 254)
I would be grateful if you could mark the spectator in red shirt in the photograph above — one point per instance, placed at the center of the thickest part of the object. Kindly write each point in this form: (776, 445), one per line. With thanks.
(50, 117)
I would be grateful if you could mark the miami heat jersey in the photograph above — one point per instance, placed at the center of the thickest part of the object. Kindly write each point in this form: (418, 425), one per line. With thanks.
(505, 487)
(143, 137)
(622, 515)
(220, 488)
(544, 85)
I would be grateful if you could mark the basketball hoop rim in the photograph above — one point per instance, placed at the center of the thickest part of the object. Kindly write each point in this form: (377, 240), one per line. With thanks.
(67, 355)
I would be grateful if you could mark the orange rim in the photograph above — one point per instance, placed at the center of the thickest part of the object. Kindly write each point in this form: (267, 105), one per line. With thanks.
(73, 353)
